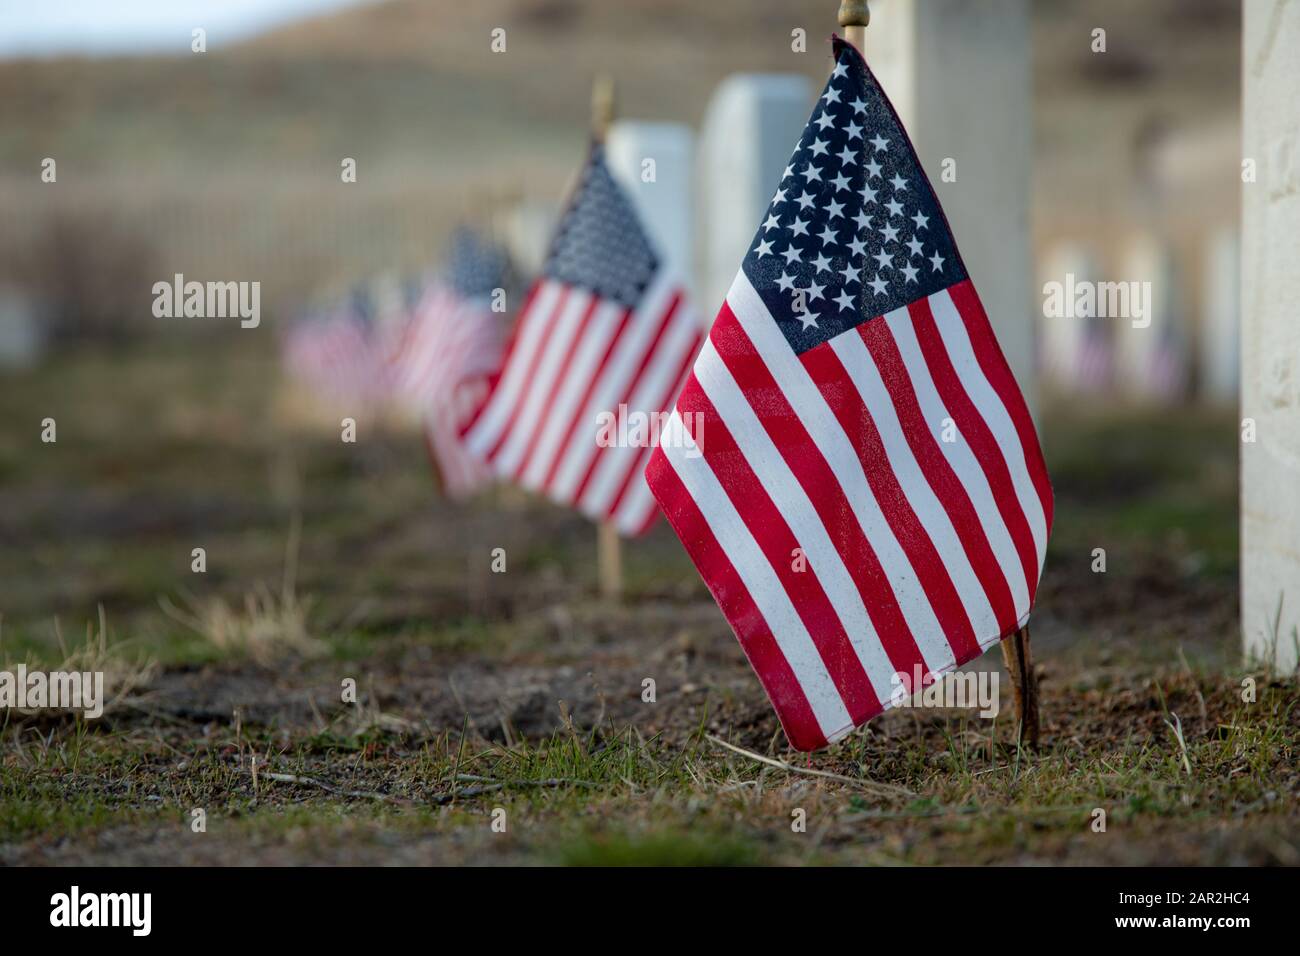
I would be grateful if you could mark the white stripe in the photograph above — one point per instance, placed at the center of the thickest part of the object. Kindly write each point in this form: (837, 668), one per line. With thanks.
(664, 365)
(792, 501)
(862, 370)
(555, 350)
(496, 416)
(961, 459)
(820, 422)
(610, 389)
(758, 578)
(603, 325)
(989, 405)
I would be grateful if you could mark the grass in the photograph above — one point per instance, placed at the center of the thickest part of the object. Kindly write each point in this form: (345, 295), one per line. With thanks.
(522, 691)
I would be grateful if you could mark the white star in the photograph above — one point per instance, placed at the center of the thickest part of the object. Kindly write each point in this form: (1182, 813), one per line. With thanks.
(785, 283)
(878, 285)
(920, 220)
(814, 290)
(844, 300)
(818, 147)
(806, 319)
(840, 182)
(805, 199)
(849, 274)
(909, 270)
(778, 197)
(899, 183)
(868, 194)
(848, 157)
(821, 263)
(936, 261)
(835, 210)
(764, 248)
(889, 232)
(828, 236)
(791, 254)
(880, 143)
(812, 174)
(772, 222)
(895, 207)
(882, 257)
(799, 227)
(857, 247)
(873, 168)
(832, 95)
(915, 245)
(864, 219)
(824, 120)
(854, 131)
(859, 107)
(789, 171)
(840, 70)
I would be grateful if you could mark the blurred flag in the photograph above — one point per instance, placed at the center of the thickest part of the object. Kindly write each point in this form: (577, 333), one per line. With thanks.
(452, 346)
(605, 337)
(339, 354)
(870, 506)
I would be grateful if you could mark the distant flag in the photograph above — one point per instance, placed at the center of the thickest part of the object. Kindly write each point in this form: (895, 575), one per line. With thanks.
(452, 347)
(340, 353)
(604, 340)
(1094, 371)
(863, 490)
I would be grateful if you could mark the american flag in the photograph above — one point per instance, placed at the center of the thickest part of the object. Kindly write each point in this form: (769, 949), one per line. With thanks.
(864, 493)
(605, 333)
(340, 353)
(452, 347)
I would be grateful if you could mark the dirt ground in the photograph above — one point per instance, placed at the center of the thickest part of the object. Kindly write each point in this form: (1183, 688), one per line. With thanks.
(522, 692)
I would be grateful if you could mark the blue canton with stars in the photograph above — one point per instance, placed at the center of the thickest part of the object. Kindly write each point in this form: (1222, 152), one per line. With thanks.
(599, 244)
(474, 266)
(854, 231)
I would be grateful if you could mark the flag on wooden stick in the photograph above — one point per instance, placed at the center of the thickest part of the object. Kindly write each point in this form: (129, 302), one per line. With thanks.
(864, 492)
(603, 342)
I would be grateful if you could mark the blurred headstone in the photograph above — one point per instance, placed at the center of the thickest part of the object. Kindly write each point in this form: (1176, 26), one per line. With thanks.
(1219, 346)
(654, 162)
(22, 336)
(1270, 373)
(1075, 347)
(1151, 340)
(958, 74)
(750, 128)
(527, 234)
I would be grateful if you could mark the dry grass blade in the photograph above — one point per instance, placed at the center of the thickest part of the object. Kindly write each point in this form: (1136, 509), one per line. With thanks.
(883, 789)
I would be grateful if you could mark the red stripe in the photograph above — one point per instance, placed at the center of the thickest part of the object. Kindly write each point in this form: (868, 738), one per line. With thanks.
(773, 670)
(570, 349)
(549, 322)
(998, 372)
(630, 390)
(778, 543)
(509, 354)
(938, 472)
(975, 432)
(579, 410)
(665, 402)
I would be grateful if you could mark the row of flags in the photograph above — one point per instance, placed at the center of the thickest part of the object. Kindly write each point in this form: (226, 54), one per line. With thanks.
(845, 454)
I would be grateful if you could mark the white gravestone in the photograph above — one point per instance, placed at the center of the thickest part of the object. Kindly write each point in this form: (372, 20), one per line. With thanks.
(958, 74)
(1270, 519)
(751, 126)
(655, 163)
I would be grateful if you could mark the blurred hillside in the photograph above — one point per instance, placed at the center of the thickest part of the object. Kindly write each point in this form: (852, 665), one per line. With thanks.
(227, 164)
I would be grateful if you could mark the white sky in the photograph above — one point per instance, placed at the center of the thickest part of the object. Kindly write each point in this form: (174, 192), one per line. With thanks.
(95, 27)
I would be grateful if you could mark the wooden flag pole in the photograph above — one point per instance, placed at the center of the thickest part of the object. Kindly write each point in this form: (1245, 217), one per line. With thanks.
(854, 16)
(609, 547)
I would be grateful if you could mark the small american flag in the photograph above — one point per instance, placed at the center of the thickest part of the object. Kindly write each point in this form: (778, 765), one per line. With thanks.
(340, 353)
(606, 331)
(452, 347)
(870, 502)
